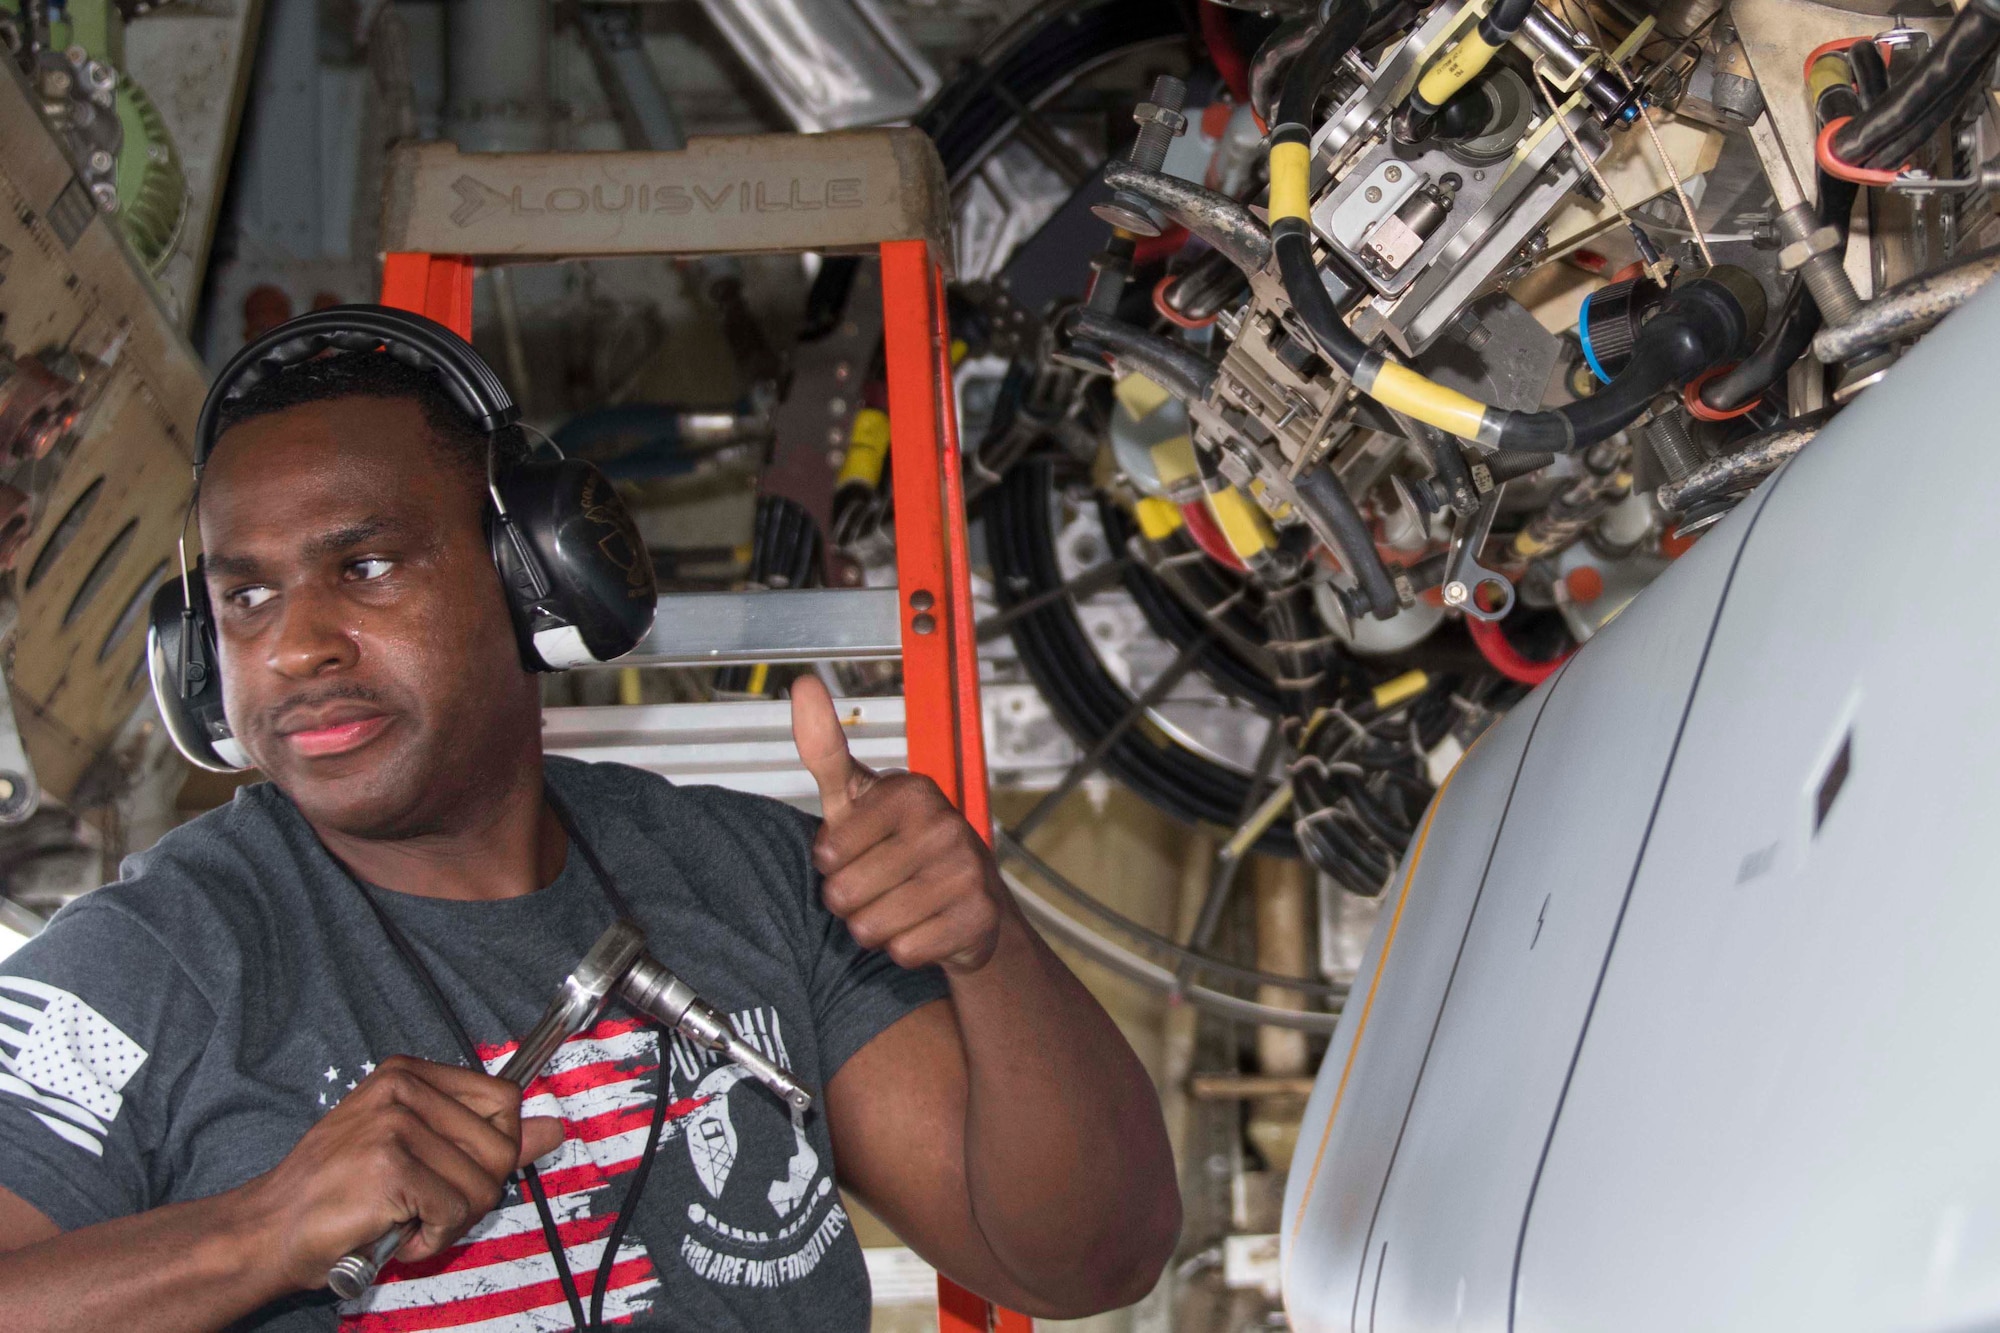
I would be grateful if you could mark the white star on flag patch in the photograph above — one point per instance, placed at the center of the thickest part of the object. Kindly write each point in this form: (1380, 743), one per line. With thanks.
(64, 1060)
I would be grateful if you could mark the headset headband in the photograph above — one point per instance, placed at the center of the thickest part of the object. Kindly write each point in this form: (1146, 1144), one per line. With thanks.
(412, 339)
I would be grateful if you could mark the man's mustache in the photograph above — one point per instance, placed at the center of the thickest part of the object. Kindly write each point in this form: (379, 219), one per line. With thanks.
(275, 715)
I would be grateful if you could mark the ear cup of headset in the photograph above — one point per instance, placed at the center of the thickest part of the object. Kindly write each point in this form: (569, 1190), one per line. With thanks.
(187, 678)
(597, 594)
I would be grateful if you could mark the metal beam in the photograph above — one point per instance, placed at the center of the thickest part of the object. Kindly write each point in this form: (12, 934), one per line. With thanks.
(742, 746)
(744, 628)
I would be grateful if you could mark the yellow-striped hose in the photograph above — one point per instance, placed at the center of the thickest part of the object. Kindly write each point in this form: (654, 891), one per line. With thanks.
(1394, 386)
(1460, 66)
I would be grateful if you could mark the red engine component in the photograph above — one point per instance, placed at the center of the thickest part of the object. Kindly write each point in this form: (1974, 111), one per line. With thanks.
(38, 406)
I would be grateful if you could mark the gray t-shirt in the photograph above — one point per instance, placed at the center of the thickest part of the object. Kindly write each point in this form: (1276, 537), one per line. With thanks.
(174, 1034)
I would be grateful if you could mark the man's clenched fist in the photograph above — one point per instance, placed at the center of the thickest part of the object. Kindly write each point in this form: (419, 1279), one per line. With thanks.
(900, 865)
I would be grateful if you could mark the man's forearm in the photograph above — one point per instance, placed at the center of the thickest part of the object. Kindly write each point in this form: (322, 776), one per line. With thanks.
(1071, 1174)
(190, 1266)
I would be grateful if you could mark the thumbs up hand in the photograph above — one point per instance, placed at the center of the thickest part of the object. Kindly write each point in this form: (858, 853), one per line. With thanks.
(897, 862)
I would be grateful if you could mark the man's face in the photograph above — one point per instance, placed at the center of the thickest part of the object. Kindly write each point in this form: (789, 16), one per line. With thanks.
(368, 661)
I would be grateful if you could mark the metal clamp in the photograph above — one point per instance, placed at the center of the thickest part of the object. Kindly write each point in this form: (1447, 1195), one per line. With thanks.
(1464, 576)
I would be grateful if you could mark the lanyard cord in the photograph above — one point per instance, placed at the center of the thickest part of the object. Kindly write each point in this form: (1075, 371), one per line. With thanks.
(529, 1176)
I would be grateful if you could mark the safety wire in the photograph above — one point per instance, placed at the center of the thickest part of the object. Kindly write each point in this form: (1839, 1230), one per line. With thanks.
(1656, 267)
(1694, 227)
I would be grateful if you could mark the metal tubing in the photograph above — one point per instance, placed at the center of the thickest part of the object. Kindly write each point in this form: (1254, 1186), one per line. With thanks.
(1225, 224)
(1907, 309)
(1759, 457)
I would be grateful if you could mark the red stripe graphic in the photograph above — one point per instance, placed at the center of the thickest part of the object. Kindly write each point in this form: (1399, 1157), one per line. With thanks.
(594, 1109)
(493, 1305)
(480, 1253)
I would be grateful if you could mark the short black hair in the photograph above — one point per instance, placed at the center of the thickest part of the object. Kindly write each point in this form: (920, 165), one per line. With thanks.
(373, 375)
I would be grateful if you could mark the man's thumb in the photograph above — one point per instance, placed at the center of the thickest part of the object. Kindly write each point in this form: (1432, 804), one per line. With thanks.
(821, 743)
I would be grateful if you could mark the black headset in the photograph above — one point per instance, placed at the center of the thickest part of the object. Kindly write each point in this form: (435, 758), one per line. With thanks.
(577, 578)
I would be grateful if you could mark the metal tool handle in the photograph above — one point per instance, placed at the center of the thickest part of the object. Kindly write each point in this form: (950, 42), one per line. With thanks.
(578, 1002)
(656, 992)
(355, 1273)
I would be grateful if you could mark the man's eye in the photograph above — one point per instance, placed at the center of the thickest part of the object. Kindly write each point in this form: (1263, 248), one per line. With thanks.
(249, 599)
(365, 571)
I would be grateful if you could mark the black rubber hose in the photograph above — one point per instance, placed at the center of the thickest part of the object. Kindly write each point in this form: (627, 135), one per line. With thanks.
(1929, 94)
(1871, 76)
(1700, 323)
(1320, 491)
(1310, 298)
(1177, 368)
(1912, 137)
(1316, 65)
(1449, 463)
(1504, 20)
(1798, 321)
(1273, 58)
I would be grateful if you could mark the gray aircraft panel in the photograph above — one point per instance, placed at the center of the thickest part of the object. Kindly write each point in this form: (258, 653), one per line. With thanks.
(1786, 1112)
(1475, 1130)
(1331, 1191)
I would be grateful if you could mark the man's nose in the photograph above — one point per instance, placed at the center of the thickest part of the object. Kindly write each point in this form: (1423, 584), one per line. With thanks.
(313, 637)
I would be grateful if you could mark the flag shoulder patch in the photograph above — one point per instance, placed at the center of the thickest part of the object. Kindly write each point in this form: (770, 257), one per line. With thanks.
(58, 1055)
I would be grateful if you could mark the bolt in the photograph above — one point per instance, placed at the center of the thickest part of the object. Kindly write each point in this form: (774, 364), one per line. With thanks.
(1456, 593)
(101, 162)
(1393, 174)
(1373, 194)
(921, 600)
(924, 624)
(1160, 123)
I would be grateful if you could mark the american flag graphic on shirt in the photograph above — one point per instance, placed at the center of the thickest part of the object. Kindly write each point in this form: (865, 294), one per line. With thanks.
(65, 1061)
(500, 1275)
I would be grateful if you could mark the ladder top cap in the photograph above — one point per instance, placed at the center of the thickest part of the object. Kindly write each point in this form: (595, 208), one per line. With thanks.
(846, 191)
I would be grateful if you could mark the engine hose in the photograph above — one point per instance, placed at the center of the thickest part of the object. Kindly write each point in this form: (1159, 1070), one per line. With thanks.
(1748, 463)
(1797, 322)
(1273, 58)
(1175, 367)
(1321, 492)
(1908, 308)
(1346, 21)
(1463, 63)
(1928, 95)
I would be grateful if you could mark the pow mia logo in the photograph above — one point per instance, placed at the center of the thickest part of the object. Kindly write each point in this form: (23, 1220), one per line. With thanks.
(762, 1211)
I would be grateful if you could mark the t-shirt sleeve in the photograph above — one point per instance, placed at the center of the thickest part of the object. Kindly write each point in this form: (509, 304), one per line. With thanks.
(856, 992)
(98, 1022)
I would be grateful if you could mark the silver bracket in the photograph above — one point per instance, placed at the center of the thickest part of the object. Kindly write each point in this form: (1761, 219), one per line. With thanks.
(1464, 576)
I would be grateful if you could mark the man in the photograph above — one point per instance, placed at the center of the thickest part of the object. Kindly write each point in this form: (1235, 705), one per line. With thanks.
(224, 1072)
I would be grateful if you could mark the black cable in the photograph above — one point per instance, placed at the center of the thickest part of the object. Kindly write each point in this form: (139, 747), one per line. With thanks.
(1797, 322)
(1871, 76)
(1928, 95)
(1354, 542)
(1316, 65)
(628, 1206)
(1310, 298)
(530, 1178)
(1176, 367)
(1700, 323)
(1179, 624)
